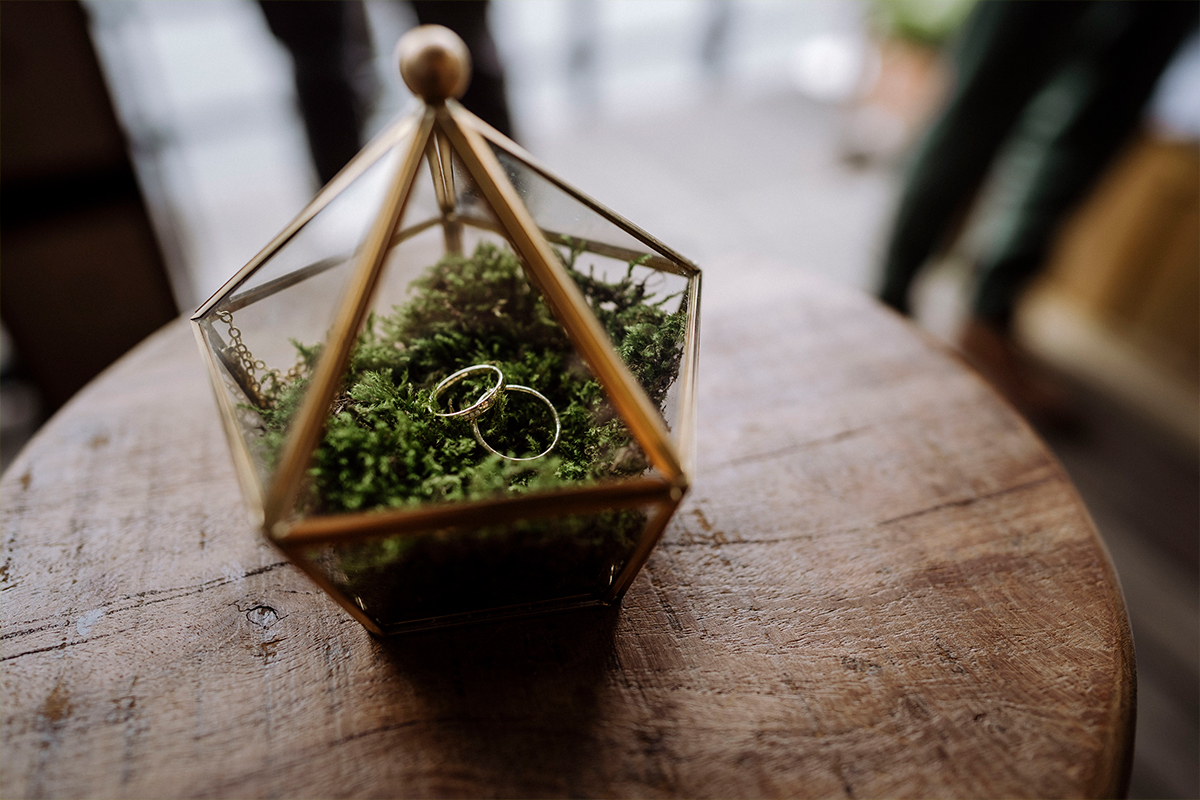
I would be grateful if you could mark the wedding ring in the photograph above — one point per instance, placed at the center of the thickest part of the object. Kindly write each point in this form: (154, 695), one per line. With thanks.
(525, 390)
(481, 405)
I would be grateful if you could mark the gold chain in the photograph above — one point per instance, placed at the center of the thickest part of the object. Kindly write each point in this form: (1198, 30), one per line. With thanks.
(263, 391)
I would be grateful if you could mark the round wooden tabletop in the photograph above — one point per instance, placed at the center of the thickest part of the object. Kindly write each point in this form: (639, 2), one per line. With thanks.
(882, 585)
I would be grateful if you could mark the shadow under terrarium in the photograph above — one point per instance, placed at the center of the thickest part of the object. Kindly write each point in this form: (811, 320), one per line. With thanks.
(503, 690)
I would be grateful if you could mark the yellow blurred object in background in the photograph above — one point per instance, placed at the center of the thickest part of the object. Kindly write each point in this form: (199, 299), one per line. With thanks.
(1119, 304)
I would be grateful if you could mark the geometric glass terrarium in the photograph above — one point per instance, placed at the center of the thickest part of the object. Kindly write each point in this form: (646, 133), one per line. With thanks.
(454, 387)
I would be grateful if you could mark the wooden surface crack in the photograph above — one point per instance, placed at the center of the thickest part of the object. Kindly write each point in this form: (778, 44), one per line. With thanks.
(966, 501)
(393, 726)
(60, 646)
(726, 539)
(112, 606)
(795, 447)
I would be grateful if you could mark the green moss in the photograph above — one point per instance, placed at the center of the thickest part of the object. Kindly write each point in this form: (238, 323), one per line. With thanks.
(384, 449)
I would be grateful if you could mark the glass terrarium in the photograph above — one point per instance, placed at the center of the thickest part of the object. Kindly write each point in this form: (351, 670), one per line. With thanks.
(455, 387)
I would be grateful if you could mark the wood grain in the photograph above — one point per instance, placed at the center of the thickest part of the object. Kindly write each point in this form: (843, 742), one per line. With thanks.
(882, 585)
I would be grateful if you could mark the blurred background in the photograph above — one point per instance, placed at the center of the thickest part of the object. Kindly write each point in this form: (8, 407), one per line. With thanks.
(150, 149)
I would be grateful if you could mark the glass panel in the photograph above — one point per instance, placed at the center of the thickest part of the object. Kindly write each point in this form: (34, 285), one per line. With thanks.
(641, 294)
(645, 313)
(265, 333)
(430, 578)
(560, 214)
(334, 231)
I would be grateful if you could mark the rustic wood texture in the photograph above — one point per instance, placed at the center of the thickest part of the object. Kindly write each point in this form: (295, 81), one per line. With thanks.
(881, 585)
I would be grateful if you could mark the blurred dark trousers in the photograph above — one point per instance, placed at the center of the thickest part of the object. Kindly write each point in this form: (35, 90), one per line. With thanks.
(330, 46)
(1061, 85)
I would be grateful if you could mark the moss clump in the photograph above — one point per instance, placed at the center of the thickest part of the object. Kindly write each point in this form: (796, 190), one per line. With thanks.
(384, 449)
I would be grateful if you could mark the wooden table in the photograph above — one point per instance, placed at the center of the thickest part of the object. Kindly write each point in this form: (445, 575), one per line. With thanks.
(882, 585)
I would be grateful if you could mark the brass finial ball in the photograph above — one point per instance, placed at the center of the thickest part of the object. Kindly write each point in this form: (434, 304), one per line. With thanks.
(434, 63)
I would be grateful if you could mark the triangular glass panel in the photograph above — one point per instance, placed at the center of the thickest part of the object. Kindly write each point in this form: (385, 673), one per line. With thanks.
(289, 294)
(604, 249)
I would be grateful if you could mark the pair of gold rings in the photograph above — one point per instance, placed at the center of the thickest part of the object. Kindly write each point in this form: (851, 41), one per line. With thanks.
(473, 412)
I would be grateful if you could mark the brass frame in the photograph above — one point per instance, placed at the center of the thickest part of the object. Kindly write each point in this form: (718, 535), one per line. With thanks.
(433, 133)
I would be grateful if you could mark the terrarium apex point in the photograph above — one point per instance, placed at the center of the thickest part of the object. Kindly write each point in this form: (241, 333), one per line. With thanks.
(434, 63)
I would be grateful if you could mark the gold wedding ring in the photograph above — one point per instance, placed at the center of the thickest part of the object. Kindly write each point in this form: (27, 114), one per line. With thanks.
(525, 390)
(481, 405)
(486, 401)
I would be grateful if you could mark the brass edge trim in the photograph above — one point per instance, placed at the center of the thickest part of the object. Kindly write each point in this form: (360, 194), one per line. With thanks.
(689, 395)
(560, 292)
(451, 225)
(243, 464)
(310, 421)
(240, 301)
(314, 574)
(650, 536)
(316, 268)
(447, 168)
(411, 231)
(356, 526)
(435, 172)
(365, 159)
(656, 261)
(493, 135)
